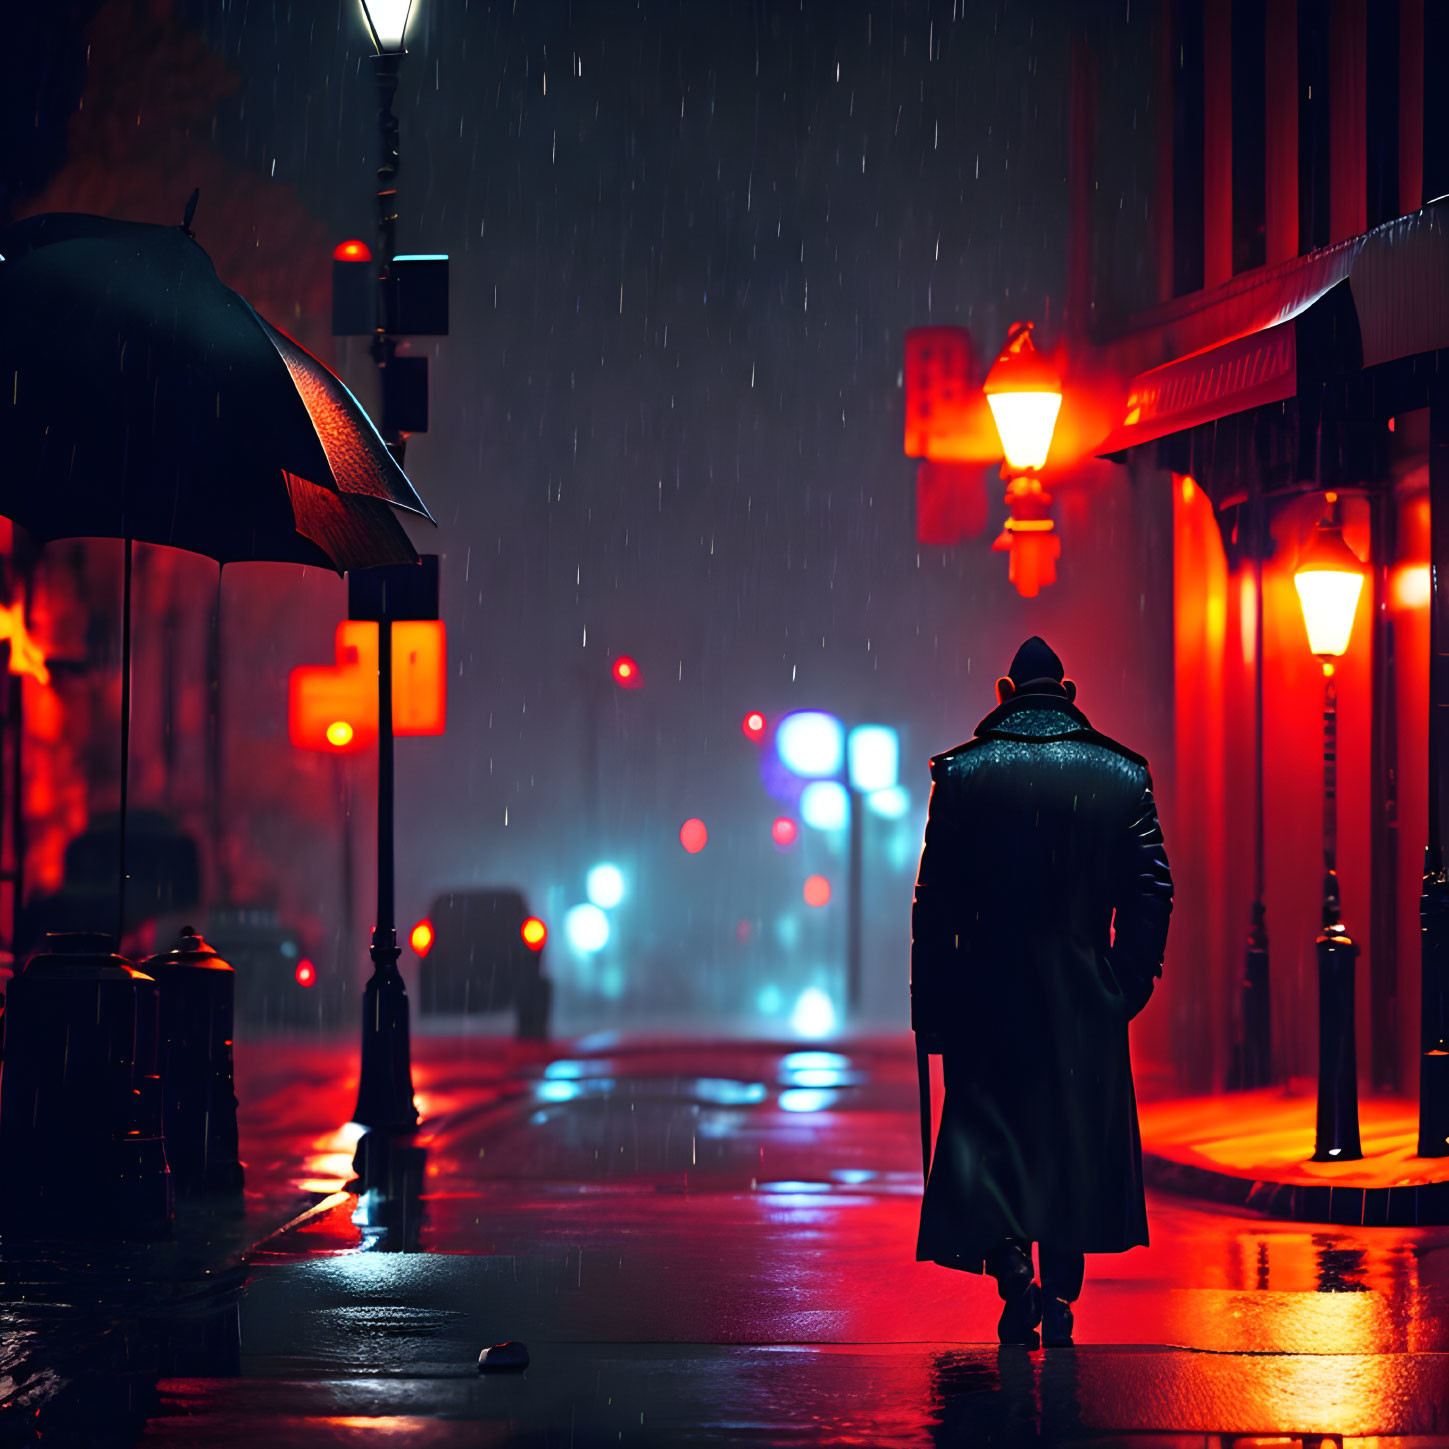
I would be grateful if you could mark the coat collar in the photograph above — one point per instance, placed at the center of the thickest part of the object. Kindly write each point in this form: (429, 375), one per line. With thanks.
(1002, 718)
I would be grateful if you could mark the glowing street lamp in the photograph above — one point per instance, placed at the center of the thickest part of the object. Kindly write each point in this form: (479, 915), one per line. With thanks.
(1329, 578)
(1024, 394)
(387, 21)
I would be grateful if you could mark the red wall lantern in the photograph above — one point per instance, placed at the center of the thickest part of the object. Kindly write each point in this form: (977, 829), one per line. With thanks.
(1024, 393)
(1329, 579)
(1029, 537)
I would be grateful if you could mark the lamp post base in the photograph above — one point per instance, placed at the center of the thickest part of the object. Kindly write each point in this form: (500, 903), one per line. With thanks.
(1434, 1034)
(385, 1087)
(1336, 1139)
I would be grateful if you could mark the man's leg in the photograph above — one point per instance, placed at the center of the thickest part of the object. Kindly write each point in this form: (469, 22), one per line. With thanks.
(1061, 1283)
(1010, 1265)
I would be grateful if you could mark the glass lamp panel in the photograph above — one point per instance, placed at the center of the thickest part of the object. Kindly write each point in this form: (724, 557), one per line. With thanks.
(1025, 422)
(1330, 601)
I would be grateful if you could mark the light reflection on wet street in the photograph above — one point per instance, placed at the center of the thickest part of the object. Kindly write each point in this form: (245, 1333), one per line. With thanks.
(714, 1243)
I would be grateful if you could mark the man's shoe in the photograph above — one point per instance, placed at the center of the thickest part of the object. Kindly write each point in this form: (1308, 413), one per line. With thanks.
(1056, 1328)
(1020, 1317)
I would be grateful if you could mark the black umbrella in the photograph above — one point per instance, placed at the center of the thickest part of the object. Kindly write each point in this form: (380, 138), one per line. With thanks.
(142, 399)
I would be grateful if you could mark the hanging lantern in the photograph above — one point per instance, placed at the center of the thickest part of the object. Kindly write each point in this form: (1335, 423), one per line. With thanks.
(1025, 395)
(1029, 537)
(1330, 579)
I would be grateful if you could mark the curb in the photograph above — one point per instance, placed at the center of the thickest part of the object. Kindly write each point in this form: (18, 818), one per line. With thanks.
(1422, 1205)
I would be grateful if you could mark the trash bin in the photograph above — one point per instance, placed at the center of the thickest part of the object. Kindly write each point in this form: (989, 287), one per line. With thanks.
(197, 990)
(81, 1146)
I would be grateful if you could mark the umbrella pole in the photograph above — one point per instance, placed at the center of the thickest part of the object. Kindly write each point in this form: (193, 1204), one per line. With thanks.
(125, 742)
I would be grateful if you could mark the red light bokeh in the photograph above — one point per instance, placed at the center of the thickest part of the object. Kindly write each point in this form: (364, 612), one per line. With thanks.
(693, 836)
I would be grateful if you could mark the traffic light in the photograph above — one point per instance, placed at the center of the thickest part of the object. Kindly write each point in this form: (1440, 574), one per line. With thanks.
(421, 939)
(626, 673)
(753, 725)
(534, 933)
(306, 973)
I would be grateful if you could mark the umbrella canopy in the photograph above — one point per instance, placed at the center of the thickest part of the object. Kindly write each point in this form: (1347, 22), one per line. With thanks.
(140, 398)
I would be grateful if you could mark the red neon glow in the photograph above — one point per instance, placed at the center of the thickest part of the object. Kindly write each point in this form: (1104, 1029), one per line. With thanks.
(421, 939)
(817, 891)
(534, 933)
(693, 836)
(784, 832)
(753, 725)
(26, 656)
(626, 673)
(352, 251)
(306, 973)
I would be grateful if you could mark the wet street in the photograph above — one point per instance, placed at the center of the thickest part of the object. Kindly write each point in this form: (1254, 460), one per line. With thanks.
(713, 1243)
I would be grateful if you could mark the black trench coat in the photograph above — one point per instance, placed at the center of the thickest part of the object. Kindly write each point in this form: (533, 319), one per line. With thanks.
(1040, 829)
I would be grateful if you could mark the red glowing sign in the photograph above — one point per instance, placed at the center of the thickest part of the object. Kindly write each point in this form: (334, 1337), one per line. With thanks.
(534, 933)
(784, 832)
(693, 836)
(333, 707)
(352, 251)
(306, 973)
(817, 891)
(421, 939)
(626, 673)
(753, 725)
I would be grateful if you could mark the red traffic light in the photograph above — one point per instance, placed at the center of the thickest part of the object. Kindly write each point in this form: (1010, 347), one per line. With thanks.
(352, 251)
(626, 673)
(534, 933)
(421, 939)
(753, 725)
(306, 973)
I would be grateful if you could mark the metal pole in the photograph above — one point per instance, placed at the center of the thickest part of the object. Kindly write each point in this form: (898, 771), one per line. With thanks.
(1434, 902)
(853, 946)
(1336, 1138)
(385, 1086)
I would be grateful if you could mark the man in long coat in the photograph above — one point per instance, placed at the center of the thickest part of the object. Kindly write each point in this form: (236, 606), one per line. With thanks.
(1040, 920)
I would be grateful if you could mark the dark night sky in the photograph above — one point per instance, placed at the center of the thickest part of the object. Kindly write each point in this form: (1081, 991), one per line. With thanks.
(687, 240)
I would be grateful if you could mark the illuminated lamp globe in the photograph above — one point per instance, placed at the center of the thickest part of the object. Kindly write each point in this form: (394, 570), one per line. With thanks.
(1330, 579)
(811, 743)
(352, 251)
(421, 939)
(587, 929)
(387, 21)
(1024, 394)
(306, 973)
(339, 734)
(825, 805)
(604, 886)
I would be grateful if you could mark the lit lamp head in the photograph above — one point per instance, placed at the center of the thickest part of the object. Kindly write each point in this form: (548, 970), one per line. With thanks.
(1025, 395)
(387, 20)
(1330, 579)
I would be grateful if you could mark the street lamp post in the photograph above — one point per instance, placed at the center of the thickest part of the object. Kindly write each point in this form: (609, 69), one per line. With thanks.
(385, 1088)
(1330, 579)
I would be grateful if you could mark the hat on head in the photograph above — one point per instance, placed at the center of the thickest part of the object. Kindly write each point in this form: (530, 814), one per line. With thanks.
(1036, 662)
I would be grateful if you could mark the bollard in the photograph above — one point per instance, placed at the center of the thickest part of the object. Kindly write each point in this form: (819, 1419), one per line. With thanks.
(1336, 1138)
(81, 1147)
(197, 990)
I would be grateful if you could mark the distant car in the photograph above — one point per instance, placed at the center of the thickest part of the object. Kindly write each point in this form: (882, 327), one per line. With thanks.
(277, 984)
(481, 951)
